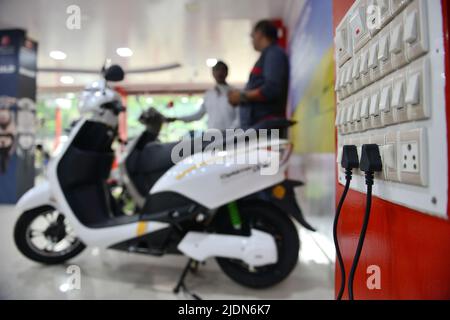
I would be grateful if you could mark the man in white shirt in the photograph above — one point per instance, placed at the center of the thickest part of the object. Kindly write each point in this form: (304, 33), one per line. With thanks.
(221, 115)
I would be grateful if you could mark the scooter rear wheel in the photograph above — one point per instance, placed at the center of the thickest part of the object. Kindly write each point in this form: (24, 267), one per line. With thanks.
(43, 235)
(267, 218)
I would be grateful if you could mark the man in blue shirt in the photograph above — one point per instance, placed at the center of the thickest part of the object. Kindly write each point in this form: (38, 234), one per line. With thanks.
(265, 96)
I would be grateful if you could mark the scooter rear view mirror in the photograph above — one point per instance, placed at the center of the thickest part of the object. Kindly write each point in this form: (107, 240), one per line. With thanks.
(114, 74)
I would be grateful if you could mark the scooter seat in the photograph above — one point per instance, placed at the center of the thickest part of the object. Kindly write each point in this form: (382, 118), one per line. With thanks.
(148, 165)
(154, 157)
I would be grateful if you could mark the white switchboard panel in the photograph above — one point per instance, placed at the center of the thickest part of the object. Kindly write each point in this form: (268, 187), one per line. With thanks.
(390, 88)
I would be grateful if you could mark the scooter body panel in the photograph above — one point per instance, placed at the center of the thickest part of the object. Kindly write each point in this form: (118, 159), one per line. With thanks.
(223, 178)
(38, 196)
(257, 250)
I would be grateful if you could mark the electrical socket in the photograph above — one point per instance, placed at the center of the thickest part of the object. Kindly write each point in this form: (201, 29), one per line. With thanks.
(410, 157)
(413, 157)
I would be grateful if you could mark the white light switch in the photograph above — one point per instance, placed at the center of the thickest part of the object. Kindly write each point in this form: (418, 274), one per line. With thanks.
(389, 156)
(411, 28)
(398, 95)
(348, 75)
(342, 78)
(383, 51)
(364, 62)
(365, 108)
(373, 56)
(385, 99)
(419, 90)
(415, 34)
(357, 111)
(413, 90)
(349, 117)
(356, 67)
(375, 104)
(396, 45)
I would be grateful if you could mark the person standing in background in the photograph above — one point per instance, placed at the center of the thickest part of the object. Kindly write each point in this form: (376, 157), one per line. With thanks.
(221, 115)
(266, 92)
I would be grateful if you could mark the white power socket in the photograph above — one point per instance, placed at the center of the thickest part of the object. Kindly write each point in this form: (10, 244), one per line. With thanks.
(413, 165)
(410, 158)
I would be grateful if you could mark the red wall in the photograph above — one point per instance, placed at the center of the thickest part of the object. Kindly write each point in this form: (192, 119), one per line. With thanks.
(412, 249)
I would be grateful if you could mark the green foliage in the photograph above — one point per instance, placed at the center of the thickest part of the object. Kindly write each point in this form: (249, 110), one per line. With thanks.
(182, 105)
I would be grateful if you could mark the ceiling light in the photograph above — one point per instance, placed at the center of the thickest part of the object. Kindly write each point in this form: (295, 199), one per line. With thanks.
(211, 62)
(149, 100)
(185, 100)
(124, 52)
(57, 55)
(66, 80)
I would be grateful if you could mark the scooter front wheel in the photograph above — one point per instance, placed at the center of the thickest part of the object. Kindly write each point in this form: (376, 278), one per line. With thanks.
(43, 235)
(267, 218)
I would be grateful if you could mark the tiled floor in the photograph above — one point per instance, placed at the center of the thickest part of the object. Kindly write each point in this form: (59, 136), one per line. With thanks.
(115, 275)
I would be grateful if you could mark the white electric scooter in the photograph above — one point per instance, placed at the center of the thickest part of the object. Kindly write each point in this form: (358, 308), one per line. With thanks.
(202, 207)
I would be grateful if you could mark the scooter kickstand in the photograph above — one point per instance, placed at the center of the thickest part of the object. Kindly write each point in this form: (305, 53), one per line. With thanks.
(181, 285)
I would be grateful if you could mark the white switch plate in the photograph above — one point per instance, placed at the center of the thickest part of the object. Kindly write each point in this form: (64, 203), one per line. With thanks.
(374, 111)
(384, 55)
(426, 190)
(418, 90)
(344, 50)
(416, 26)
(398, 97)
(358, 25)
(386, 112)
(397, 47)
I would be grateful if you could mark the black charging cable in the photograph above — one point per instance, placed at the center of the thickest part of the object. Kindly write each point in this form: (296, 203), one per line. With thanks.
(370, 164)
(349, 162)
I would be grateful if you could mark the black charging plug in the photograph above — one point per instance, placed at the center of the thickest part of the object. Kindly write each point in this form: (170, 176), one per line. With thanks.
(349, 162)
(371, 163)
(350, 159)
